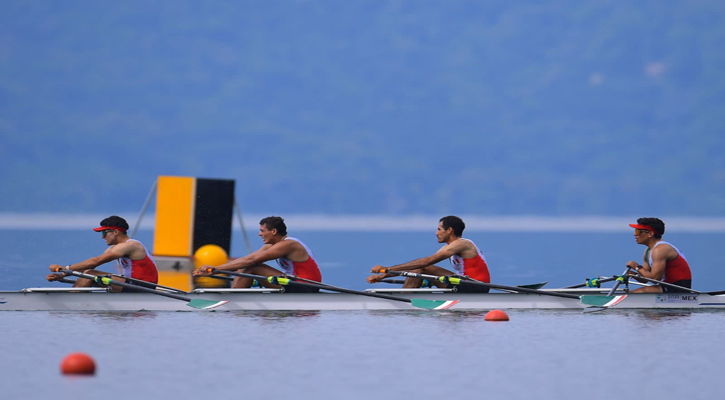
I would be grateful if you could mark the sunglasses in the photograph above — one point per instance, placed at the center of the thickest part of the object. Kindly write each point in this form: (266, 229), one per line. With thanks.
(638, 232)
(103, 233)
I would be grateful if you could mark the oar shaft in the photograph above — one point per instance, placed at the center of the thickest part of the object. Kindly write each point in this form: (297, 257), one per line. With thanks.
(309, 284)
(616, 285)
(426, 282)
(668, 284)
(110, 281)
(604, 280)
(149, 285)
(224, 278)
(478, 283)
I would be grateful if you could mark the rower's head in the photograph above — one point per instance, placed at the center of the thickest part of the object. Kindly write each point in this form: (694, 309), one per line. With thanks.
(272, 229)
(112, 228)
(449, 226)
(647, 228)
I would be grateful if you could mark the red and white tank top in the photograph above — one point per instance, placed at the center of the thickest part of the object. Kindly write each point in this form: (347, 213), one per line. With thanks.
(475, 268)
(675, 270)
(144, 269)
(307, 269)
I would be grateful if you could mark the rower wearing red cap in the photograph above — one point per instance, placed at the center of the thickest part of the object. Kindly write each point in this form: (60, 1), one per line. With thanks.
(134, 261)
(662, 261)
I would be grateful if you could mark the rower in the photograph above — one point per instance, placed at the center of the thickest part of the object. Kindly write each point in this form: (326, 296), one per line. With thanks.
(465, 257)
(293, 257)
(134, 261)
(662, 261)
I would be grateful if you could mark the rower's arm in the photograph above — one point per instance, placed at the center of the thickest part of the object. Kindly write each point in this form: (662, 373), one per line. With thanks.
(659, 263)
(266, 253)
(112, 253)
(445, 252)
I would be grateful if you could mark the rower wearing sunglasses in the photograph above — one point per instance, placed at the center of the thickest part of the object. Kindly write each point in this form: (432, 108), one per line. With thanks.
(134, 261)
(662, 261)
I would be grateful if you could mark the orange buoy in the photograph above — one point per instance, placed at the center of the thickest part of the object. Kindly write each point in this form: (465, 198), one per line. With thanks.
(496, 315)
(78, 363)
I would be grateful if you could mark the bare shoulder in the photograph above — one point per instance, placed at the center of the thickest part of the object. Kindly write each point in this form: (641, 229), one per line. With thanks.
(468, 249)
(290, 245)
(128, 248)
(462, 244)
(135, 244)
(664, 250)
(271, 251)
(456, 247)
(285, 244)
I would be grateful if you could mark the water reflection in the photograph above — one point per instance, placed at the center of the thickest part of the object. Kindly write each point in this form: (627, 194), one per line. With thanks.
(274, 316)
(659, 315)
(108, 315)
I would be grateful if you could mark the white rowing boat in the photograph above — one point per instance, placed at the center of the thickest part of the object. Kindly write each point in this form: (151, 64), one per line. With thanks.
(99, 299)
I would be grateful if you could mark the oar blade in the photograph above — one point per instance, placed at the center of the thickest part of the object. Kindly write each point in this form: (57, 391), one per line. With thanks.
(206, 304)
(434, 304)
(602, 301)
(534, 285)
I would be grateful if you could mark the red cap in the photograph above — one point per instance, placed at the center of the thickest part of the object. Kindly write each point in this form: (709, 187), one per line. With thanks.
(645, 227)
(103, 228)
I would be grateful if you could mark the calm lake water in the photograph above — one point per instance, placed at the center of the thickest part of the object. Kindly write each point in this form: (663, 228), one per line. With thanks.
(368, 354)
(365, 354)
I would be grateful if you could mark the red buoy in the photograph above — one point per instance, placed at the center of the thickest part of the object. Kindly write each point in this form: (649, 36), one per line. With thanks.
(496, 315)
(78, 363)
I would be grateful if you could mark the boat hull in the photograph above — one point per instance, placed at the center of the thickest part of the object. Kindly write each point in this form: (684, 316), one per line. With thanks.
(251, 300)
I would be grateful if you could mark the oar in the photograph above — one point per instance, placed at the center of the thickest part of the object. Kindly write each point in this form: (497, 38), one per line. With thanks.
(609, 301)
(427, 284)
(533, 285)
(149, 284)
(457, 281)
(669, 285)
(599, 303)
(619, 280)
(278, 280)
(594, 282)
(221, 277)
(195, 303)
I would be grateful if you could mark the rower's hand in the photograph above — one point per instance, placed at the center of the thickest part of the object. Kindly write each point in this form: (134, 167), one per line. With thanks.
(376, 269)
(632, 265)
(54, 277)
(375, 278)
(632, 271)
(56, 267)
(204, 270)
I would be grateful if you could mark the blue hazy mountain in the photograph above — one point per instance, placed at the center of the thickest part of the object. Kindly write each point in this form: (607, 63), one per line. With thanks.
(483, 107)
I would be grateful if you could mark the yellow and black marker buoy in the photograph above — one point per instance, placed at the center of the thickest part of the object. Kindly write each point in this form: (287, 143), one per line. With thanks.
(192, 214)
